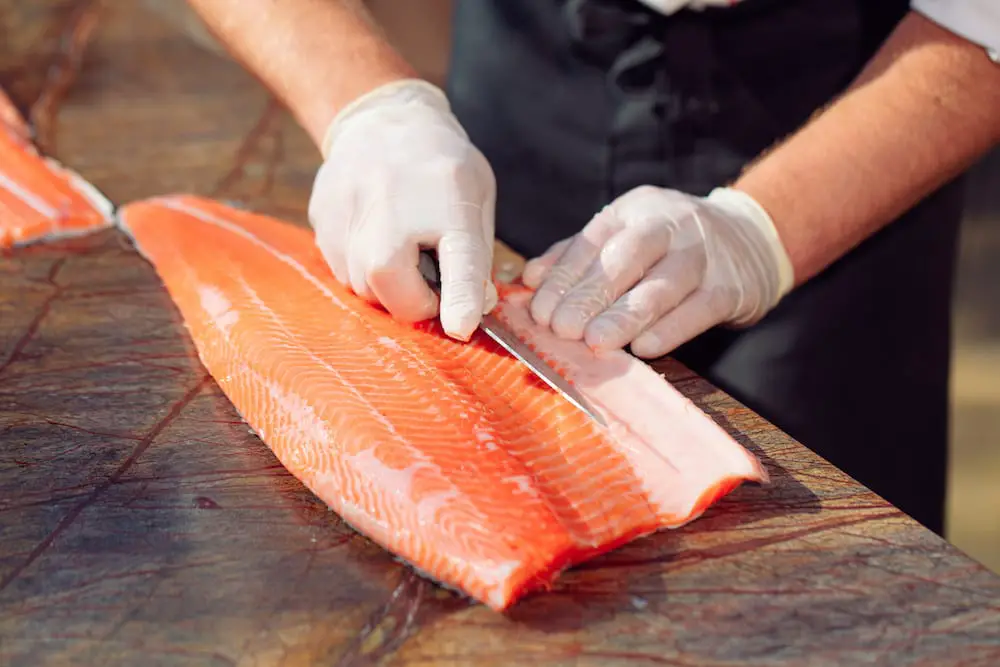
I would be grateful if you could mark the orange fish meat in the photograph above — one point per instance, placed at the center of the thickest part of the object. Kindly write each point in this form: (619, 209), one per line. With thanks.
(39, 198)
(453, 456)
(11, 121)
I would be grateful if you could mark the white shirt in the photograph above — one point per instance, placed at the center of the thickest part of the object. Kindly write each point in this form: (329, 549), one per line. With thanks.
(976, 20)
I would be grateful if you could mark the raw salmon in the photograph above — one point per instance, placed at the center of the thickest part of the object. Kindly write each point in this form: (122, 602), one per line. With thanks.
(39, 198)
(11, 121)
(453, 456)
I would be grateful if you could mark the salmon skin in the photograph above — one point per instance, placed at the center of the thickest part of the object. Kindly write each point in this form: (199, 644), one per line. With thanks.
(453, 456)
(39, 198)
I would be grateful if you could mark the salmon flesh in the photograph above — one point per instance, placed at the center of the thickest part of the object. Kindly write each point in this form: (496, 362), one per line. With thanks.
(453, 456)
(39, 198)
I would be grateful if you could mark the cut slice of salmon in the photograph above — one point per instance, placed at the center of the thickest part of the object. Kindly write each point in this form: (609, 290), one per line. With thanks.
(11, 121)
(453, 456)
(39, 198)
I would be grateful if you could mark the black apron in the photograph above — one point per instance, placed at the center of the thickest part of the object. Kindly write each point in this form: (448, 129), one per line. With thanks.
(575, 102)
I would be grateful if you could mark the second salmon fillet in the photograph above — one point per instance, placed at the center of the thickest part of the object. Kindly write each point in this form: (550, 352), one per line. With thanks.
(39, 198)
(451, 455)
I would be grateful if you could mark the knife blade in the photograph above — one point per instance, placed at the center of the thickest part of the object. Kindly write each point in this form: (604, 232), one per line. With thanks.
(509, 341)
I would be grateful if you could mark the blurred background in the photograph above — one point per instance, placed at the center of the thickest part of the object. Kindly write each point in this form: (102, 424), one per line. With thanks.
(128, 65)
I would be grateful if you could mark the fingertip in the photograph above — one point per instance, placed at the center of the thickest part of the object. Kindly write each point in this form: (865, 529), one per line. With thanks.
(568, 322)
(491, 299)
(534, 273)
(426, 310)
(543, 303)
(411, 311)
(648, 346)
(536, 270)
(603, 336)
(461, 310)
(358, 281)
(693, 317)
(404, 293)
(334, 259)
(459, 326)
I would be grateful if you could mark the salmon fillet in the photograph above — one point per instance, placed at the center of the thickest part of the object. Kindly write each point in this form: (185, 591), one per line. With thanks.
(39, 198)
(11, 121)
(452, 456)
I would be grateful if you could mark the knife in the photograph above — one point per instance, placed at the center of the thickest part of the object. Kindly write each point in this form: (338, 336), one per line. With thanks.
(493, 328)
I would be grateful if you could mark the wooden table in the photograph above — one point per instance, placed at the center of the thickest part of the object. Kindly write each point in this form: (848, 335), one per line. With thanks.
(141, 523)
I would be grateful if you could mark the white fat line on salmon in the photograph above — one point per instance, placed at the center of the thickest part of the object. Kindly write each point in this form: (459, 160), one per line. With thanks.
(208, 218)
(218, 307)
(28, 197)
(88, 190)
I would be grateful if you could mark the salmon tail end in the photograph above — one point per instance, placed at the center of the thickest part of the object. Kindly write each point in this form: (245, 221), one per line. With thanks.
(42, 199)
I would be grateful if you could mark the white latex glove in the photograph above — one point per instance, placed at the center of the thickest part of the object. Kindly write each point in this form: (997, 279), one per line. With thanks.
(399, 174)
(658, 267)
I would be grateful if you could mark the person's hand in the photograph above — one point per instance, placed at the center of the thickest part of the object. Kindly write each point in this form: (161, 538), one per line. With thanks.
(400, 174)
(658, 267)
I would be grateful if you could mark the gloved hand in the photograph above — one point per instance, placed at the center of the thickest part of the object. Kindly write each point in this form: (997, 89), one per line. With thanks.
(400, 173)
(658, 267)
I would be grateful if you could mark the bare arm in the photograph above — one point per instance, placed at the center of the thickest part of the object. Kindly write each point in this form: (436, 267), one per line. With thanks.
(316, 55)
(923, 110)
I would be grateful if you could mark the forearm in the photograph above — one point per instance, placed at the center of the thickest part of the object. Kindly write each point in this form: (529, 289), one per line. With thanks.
(924, 109)
(316, 55)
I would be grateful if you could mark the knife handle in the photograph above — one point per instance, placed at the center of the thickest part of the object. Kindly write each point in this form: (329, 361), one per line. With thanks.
(430, 269)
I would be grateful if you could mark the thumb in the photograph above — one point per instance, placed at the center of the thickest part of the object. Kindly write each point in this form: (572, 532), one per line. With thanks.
(465, 259)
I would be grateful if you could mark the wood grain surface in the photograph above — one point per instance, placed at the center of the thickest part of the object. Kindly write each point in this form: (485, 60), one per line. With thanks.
(141, 523)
